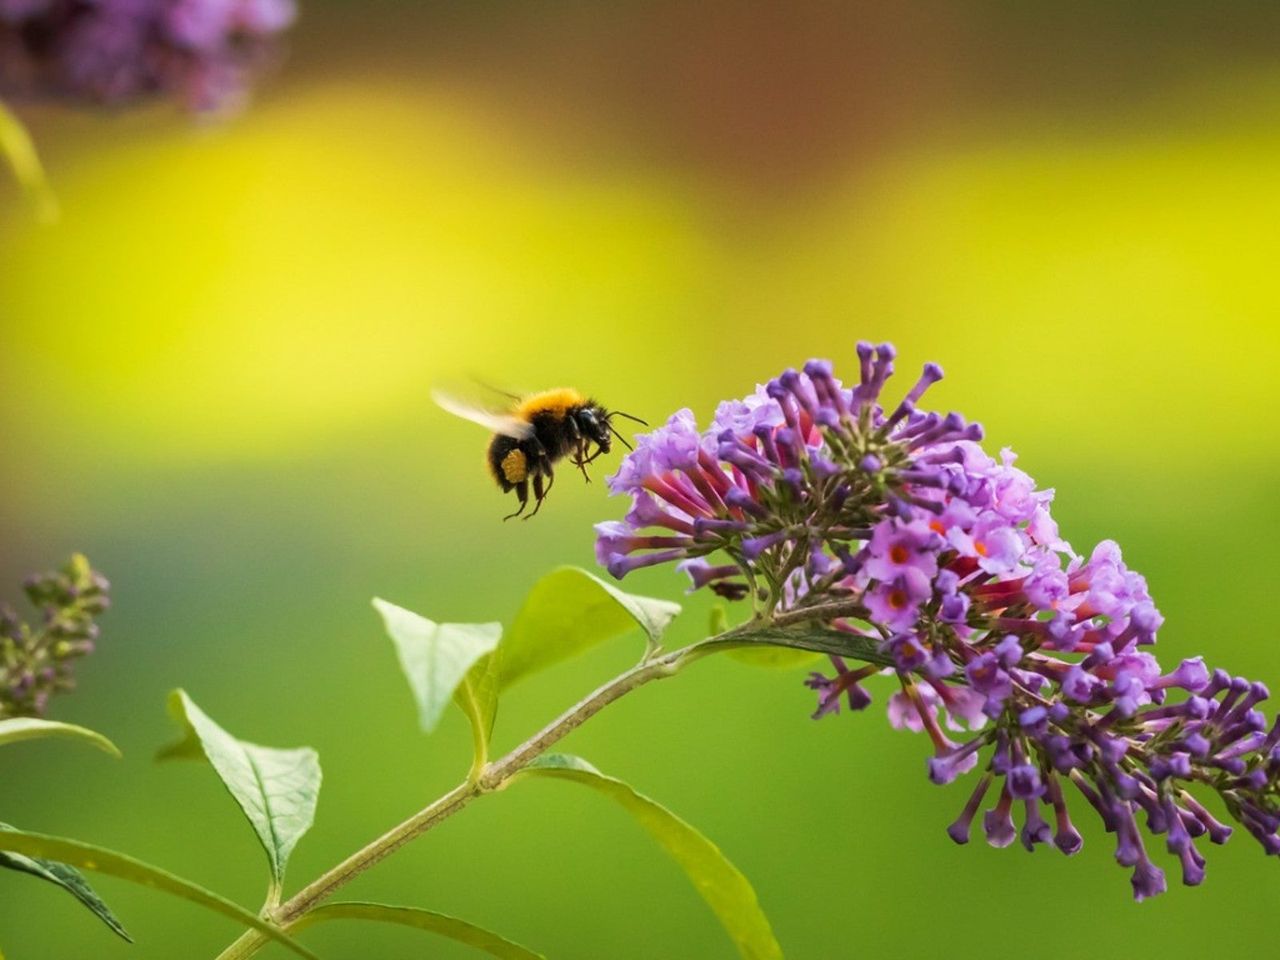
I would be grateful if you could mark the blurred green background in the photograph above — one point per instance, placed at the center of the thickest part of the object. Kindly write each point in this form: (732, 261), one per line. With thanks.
(215, 374)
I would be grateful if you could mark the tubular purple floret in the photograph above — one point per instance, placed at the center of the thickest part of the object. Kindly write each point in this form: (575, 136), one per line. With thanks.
(830, 395)
(1067, 838)
(791, 448)
(916, 424)
(901, 411)
(715, 527)
(768, 443)
(865, 353)
(740, 499)
(752, 547)
(748, 461)
(619, 567)
(959, 829)
(931, 374)
(702, 573)
(1035, 829)
(997, 823)
(881, 370)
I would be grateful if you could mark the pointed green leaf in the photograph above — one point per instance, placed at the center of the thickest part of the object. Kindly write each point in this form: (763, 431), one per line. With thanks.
(444, 925)
(88, 857)
(718, 622)
(778, 658)
(802, 638)
(477, 696)
(29, 728)
(725, 890)
(17, 148)
(568, 612)
(66, 877)
(276, 789)
(436, 659)
(774, 658)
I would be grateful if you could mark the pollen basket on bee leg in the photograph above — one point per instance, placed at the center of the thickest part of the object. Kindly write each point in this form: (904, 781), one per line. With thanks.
(515, 466)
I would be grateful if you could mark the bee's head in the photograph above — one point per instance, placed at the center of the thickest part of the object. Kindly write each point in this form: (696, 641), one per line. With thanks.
(606, 417)
(593, 423)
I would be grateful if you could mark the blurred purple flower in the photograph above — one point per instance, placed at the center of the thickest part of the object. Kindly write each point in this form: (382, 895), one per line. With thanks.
(203, 52)
(36, 661)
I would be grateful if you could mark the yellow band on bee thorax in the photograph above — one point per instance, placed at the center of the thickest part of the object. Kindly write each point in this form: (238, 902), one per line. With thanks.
(556, 402)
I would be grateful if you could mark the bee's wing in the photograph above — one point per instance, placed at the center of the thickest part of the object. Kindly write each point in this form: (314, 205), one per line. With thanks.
(502, 423)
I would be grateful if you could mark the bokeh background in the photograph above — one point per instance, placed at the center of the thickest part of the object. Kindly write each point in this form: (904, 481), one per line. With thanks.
(215, 374)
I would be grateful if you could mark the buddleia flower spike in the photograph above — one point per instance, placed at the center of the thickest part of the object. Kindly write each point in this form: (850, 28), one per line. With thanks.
(1026, 664)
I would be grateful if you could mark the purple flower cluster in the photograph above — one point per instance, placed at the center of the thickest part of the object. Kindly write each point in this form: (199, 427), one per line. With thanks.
(36, 661)
(897, 531)
(115, 51)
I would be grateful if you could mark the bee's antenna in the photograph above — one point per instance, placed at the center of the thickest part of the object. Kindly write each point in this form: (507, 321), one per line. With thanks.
(488, 386)
(621, 439)
(619, 413)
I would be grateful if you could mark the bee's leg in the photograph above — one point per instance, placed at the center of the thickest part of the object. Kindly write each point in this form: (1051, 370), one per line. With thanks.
(583, 460)
(551, 478)
(522, 491)
(538, 495)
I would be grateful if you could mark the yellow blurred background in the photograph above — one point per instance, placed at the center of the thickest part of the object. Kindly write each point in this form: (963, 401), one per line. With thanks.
(215, 372)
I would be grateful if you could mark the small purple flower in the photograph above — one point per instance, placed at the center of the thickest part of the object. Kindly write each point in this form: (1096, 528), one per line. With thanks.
(987, 677)
(1024, 782)
(996, 546)
(845, 682)
(896, 605)
(897, 547)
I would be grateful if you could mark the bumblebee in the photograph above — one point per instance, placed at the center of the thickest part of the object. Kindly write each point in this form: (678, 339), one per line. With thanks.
(536, 432)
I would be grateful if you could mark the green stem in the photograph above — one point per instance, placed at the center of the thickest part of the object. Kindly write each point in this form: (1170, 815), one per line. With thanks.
(493, 776)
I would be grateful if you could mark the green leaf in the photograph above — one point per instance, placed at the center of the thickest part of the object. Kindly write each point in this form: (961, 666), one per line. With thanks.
(725, 890)
(88, 857)
(436, 658)
(718, 622)
(428, 920)
(477, 697)
(29, 728)
(66, 877)
(570, 611)
(276, 789)
(815, 639)
(16, 146)
(774, 658)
